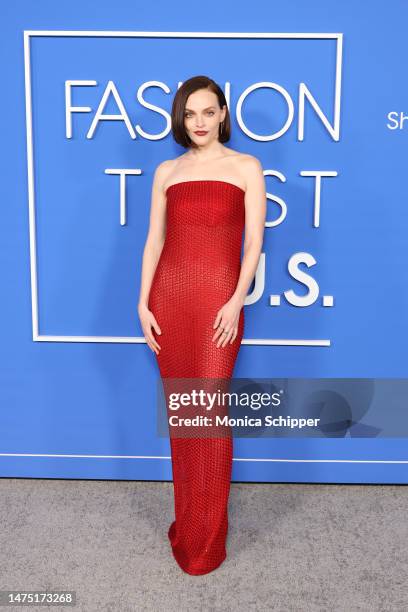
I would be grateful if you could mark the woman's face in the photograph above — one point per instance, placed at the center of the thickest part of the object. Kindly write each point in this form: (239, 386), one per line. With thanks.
(203, 114)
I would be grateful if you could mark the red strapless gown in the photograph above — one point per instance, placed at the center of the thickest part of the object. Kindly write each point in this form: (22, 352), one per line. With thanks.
(197, 273)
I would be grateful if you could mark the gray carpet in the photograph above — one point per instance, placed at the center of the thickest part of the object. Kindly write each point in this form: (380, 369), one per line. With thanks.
(291, 547)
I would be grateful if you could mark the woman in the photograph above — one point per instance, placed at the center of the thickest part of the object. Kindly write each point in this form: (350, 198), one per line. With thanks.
(193, 287)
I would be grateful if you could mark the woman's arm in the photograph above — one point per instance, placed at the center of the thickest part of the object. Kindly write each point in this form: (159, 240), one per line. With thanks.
(151, 254)
(156, 234)
(255, 213)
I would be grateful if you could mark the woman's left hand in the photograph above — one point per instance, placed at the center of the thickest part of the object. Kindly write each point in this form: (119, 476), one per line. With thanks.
(227, 321)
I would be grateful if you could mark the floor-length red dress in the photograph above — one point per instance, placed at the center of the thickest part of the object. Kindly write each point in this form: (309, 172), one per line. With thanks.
(197, 273)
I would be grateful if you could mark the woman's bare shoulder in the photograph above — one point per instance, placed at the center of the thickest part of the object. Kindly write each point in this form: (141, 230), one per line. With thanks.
(168, 165)
(163, 169)
(250, 168)
(247, 160)
(164, 165)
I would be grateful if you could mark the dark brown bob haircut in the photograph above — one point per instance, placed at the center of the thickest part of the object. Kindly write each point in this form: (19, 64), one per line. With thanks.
(179, 103)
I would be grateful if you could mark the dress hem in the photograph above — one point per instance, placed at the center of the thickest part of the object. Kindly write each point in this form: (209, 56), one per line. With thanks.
(190, 571)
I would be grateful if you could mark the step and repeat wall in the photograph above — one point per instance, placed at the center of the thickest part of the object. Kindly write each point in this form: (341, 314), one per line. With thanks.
(321, 99)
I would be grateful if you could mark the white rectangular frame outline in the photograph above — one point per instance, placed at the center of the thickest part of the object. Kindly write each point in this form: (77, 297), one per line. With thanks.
(125, 339)
(37, 337)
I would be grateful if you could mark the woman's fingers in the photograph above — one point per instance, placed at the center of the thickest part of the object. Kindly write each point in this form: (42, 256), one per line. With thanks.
(152, 347)
(217, 319)
(224, 326)
(152, 339)
(225, 338)
(225, 335)
(234, 335)
(148, 321)
(156, 326)
(218, 332)
(231, 330)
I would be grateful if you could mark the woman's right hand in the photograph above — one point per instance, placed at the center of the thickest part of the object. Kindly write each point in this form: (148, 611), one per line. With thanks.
(147, 320)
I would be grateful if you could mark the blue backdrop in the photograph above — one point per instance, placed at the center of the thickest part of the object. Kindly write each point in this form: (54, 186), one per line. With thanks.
(320, 98)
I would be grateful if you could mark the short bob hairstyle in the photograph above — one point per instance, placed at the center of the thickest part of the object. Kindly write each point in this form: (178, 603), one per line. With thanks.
(179, 103)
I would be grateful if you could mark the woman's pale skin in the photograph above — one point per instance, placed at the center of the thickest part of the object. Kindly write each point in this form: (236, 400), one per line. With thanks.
(210, 161)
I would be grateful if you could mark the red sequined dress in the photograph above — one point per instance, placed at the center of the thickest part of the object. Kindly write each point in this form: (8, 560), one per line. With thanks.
(197, 273)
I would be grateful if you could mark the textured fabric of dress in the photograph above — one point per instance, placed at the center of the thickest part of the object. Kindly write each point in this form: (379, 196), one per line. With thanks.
(196, 274)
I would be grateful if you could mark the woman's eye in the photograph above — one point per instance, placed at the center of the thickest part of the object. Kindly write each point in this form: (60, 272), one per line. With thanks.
(189, 114)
